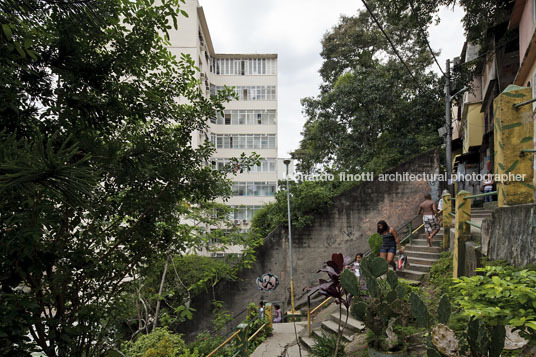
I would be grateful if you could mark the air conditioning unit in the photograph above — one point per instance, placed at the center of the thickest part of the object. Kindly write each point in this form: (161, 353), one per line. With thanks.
(244, 221)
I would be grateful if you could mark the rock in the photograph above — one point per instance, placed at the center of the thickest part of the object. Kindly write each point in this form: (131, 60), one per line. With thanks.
(445, 340)
(359, 343)
(513, 340)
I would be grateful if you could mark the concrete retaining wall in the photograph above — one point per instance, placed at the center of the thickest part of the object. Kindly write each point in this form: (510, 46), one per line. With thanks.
(510, 235)
(343, 228)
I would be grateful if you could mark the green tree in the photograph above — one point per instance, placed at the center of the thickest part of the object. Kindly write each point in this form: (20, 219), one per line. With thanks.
(371, 113)
(159, 343)
(96, 165)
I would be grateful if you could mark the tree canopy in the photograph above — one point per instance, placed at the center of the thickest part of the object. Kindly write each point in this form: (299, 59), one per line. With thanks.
(96, 164)
(370, 113)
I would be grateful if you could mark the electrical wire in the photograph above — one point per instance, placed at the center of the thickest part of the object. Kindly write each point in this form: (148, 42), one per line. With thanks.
(424, 35)
(389, 40)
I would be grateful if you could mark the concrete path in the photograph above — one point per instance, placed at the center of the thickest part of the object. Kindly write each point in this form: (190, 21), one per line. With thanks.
(282, 337)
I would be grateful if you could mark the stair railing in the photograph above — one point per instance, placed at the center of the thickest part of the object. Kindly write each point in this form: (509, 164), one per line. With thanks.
(242, 334)
(310, 312)
(491, 193)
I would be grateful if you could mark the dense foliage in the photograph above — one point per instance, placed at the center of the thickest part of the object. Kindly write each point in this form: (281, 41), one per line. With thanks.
(159, 343)
(370, 114)
(307, 199)
(501, 296)
(97, 170)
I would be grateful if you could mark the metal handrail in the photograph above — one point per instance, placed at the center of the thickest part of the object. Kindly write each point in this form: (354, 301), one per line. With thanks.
(452, 214)
(320, 305)
(473, 224)
(528, 150)
(224, 343)
(311, 312)
(491, 193)
(411, 234)
(256, 332)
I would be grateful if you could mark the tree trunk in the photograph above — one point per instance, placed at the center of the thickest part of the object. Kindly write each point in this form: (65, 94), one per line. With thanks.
(160, 293)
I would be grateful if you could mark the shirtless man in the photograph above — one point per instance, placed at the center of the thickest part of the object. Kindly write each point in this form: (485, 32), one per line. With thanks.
(429, 211)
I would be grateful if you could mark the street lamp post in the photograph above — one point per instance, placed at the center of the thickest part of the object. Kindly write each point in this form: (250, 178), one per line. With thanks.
(292, 310)
(449, 128)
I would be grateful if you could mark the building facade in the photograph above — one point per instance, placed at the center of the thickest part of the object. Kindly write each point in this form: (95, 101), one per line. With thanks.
(248, 124)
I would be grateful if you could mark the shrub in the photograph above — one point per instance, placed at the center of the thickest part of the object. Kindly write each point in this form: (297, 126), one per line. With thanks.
(325, 344)
(502, 296)
(159, 343)
(441, 274)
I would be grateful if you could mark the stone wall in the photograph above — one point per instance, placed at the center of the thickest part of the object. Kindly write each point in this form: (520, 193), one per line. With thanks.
(510, 235)
(344, 227)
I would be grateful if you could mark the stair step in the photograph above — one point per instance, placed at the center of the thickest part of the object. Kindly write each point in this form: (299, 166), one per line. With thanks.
(418, 267)
(410, 274)
(426, 249)
(307, 342)
(333, 327)
(421, 261)
(437, 236)
(423, 242)
(295, 351)
(352, 324)
(433, 256)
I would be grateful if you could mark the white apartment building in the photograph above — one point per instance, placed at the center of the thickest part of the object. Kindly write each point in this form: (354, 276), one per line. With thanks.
(248, 124)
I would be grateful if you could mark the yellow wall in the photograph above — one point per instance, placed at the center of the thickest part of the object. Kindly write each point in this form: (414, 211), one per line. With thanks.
(474, 127)
(513, 131)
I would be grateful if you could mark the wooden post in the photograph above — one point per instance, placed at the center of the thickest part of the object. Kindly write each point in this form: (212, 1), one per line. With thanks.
(243, 340)
(447, 219)
(268, 316)
(462, 232)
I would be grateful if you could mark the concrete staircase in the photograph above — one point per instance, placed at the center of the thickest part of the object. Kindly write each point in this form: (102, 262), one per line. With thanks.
(331, 325)
(420, 257)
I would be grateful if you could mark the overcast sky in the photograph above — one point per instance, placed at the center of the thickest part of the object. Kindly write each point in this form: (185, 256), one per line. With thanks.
(293, 29)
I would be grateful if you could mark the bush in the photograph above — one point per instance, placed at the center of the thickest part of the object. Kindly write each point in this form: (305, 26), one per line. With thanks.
(206, 342)
(159, 343)
(308, 198)
(502, 296)
(441, 274)
(325, 345)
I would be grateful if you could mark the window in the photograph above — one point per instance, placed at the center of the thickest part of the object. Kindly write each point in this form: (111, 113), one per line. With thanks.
(241, 66)
(245, 117)
(253, 92)
(254, 188)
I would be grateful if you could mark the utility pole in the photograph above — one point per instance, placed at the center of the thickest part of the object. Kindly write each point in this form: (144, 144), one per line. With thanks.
(448, 121)
(292, 308)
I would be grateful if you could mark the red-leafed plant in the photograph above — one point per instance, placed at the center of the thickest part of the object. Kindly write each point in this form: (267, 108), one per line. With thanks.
(332, 288)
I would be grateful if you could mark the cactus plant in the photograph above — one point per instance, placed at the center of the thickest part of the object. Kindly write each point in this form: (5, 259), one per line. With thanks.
(419, 310)
(377, 311)
(483, 340)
